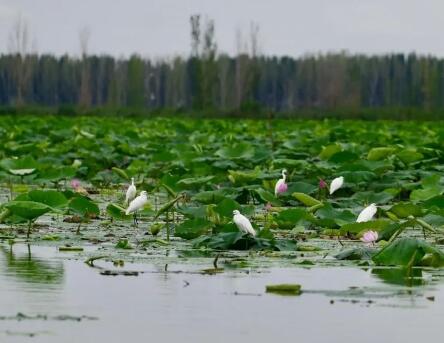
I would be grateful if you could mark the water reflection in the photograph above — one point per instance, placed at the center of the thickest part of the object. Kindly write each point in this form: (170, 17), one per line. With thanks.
(20, 264)
(400, 276)
(200, 307)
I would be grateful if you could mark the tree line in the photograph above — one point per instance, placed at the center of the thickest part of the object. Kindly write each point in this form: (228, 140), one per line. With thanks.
(214, 81)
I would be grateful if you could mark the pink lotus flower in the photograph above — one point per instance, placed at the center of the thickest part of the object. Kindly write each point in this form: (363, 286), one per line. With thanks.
(282, 188)
(322, 184)
(75, 183)
(369, 237)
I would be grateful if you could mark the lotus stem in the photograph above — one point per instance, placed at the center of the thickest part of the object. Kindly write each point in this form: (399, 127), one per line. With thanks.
(410, 265)
(29, 229)
(396, 234)
(215, 261)
(167, 220)
(425, 225)
(315, 207)
(91, 260)
(10, 188)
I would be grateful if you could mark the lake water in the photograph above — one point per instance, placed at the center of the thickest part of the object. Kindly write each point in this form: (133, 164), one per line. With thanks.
(339, 304)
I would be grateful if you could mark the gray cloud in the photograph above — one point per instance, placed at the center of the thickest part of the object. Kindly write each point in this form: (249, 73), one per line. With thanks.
(287, 27)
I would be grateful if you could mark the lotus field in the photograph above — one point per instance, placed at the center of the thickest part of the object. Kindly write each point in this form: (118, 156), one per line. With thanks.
(64, 181)
(152, 222)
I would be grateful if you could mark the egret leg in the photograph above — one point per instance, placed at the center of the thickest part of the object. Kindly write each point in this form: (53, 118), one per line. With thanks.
(135, 218)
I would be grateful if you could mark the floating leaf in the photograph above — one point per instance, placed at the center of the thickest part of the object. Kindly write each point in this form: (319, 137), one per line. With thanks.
(406, 209)
(331, 217)
(55, 174)
(193, 228)
(211, 197)
(20, 167)
(196, 181)
(267, 197)
(372, 197)
(123, 244)
(116, 212)
(435, 202)
(425, 194)
(51, 198)
(243, 177)
(374, 225)
(169, 205)
(237, 151)
(377, 154)
(301, 187)
(288, 219)
(29, 210)
(407, 252)
(226, 207)
(70, 249)
(342, 157)
(284, 289)
(358, 176)
(120, 172)
(84, 207)
(329, 151)
(193, 211)
(358, 253)
(22, 172)
(306, 199)
(409, 156)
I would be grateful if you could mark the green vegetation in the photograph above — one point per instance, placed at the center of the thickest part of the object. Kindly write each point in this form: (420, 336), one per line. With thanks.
(341, 86)
(197, 172)
(284, 289)
(210, 83)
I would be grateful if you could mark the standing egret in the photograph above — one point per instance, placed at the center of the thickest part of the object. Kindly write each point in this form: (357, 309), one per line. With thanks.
(136, 205)
(281, 186)
(131, 192)
(336, 184)
(367, 213)
(242, 223)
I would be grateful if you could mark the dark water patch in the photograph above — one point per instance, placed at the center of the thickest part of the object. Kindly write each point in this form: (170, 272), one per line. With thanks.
(63, 317)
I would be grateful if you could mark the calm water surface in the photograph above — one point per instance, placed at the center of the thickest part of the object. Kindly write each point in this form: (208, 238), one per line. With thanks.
(339, 304)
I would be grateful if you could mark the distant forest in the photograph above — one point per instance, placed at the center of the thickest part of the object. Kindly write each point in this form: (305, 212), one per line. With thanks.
(213, 81)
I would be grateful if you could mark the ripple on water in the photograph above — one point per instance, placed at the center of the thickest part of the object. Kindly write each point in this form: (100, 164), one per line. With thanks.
(182, 303)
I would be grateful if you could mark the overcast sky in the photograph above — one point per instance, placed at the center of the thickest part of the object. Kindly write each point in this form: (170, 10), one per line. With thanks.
(287, 27)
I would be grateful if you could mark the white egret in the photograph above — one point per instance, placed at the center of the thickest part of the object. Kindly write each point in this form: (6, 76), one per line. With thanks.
(367, 213)
(281, 186)
(336, 184)
(242, 223)
(131, 192)
(136, 204)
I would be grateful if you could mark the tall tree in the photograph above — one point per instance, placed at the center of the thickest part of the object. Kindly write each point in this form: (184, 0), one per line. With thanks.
(20, 49)
(85, 92)
(136, 93)
(209, 65)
